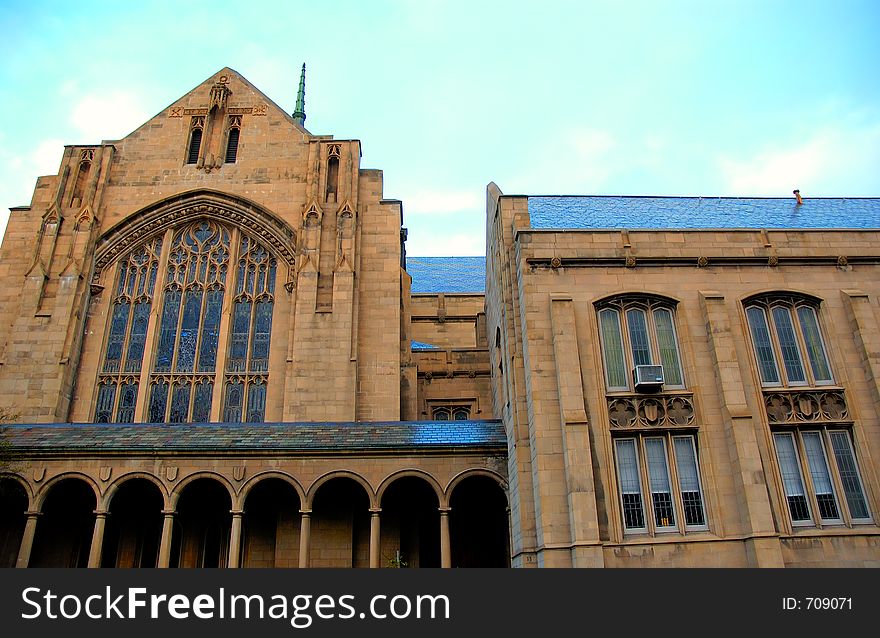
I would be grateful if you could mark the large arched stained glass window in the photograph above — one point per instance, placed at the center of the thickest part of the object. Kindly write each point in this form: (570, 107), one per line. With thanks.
(181, 378)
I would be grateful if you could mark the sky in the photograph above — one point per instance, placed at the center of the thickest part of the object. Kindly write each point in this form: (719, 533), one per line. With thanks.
(711, 97)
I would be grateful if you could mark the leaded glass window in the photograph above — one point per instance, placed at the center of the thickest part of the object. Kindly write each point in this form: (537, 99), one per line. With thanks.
(637, 331)
(119, 379)
(172, 359)
(247, 362)
(791, 337)
(665, 467)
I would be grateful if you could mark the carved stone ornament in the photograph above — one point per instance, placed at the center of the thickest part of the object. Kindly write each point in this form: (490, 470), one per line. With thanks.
(651, 412)
(238, 472)
(842, 261)
(630, 261)
(555, 263)
(794, 407)
(773, 260)
(105, 473)
(702, 261)
(171, 472)
(39, 474)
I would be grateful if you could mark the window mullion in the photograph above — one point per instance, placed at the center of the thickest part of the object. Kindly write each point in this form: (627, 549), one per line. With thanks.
(223, 338)
(674, 483)
(158, 303)
(648, 496)
(807, 478)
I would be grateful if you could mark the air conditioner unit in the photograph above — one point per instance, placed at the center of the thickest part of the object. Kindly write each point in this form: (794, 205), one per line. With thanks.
(647, 378)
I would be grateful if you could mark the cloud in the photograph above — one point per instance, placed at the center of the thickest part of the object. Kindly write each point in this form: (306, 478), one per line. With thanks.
(111, 115)
(832, 162)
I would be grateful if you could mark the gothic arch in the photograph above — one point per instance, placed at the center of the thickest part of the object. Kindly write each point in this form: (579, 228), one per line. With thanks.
(430, 480)
(12, 476)
(174, 497)
(115, 485)
(43, 492)
(324, 478)
(458, 478)
(262, 224)
(256, 479)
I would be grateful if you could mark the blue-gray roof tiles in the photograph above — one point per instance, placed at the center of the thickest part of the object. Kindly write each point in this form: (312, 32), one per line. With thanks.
(447, 274)
(549, 212)
(266, 437)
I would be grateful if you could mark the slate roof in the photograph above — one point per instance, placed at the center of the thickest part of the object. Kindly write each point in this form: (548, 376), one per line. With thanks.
(266, 437)
(418, 345)
(447, 274)
(702, 212)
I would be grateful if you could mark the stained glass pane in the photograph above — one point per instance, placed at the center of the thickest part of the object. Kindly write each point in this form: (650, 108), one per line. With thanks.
(815, 347)
(791, 354)
(667, 346)
(638, 337)
(820, 475)
(689, 481)
(106, 399)
(615, 369)
(791, 477)
(179, 404)
(241, 320)
(630, 484)
(256, 403)
(849, 475)
(202, 402)
(158, 402)
(189, 331)
(232, 407)
(272, 276)
(127, 401)
(262, 330)
(168, 331)
(658, 477)
(138, 335)
(763, 348)
(210, 331)
(115, 340)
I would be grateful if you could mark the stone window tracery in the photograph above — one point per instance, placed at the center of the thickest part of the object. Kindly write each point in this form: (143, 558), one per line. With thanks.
(186, 346)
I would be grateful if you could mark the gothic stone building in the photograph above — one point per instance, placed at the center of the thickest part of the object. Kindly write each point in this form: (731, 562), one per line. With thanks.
(216, 352)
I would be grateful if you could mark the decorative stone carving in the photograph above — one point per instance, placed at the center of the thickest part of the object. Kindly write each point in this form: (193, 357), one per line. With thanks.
(811, 406)
(651, 412)
(702, 261)
(555, 263)
(772, 260)
(630, 261)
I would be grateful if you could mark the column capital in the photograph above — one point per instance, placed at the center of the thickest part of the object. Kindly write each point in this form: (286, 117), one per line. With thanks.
(168, 513)
(444, 510)
(33, 514)
(101, 513)
(305, 512)
(238, 513)
(375, 511)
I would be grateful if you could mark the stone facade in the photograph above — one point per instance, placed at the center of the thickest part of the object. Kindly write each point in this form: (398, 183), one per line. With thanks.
(216, 356)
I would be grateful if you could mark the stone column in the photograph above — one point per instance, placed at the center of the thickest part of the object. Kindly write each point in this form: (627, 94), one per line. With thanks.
(27, 539)
(305, 537)
(445, 546)
(97, 538)
(235, 539)
(165, 543)
(375, 528)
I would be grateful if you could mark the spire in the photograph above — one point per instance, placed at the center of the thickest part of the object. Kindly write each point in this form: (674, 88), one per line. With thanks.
(300, 113)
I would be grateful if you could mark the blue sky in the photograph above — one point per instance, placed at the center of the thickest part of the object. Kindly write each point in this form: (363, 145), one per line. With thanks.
(674, 98)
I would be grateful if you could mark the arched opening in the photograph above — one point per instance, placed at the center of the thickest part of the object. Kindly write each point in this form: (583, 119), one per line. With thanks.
(13, 505)
(271, 525)
(340, 527)
(410, 525)
(332, 179)
(79, 188)
(478, 524)
(202, 524)
(134, 526)
(64, 531)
